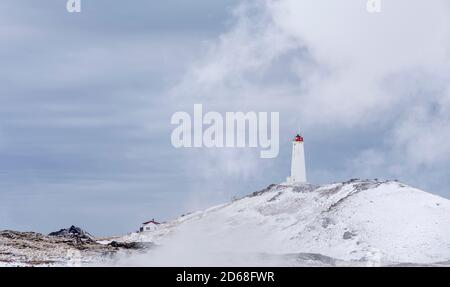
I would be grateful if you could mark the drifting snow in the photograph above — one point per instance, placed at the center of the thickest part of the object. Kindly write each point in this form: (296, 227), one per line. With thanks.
(351, 223)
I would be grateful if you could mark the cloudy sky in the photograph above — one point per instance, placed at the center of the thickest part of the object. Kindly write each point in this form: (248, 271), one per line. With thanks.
(86, 101)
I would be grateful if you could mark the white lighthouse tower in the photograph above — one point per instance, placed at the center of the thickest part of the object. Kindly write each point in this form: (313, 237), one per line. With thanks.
(298, 169)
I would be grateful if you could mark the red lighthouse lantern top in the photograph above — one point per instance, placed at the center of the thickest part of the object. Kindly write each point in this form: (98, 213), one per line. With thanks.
(298, 138)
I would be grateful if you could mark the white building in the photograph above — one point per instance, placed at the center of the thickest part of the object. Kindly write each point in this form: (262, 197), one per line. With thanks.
(298, 169)
(149, 225)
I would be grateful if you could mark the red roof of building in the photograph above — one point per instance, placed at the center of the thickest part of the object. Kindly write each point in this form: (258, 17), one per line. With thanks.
(151, 221)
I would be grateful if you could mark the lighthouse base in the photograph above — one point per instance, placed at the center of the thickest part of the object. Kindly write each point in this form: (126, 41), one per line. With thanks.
(292, 180)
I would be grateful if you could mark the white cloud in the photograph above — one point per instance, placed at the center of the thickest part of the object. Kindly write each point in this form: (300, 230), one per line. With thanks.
(341, 68)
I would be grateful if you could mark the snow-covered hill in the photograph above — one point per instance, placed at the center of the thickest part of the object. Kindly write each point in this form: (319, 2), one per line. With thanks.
(359, 222)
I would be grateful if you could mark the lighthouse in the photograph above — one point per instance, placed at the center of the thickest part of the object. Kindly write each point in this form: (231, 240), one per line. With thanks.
(298, 169)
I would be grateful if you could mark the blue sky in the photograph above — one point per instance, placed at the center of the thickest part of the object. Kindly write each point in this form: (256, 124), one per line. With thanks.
(86, 101)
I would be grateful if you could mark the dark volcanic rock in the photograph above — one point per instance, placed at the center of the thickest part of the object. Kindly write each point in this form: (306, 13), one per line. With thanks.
(74, 233)
(131, 245)
(348, 235)
(35, 249)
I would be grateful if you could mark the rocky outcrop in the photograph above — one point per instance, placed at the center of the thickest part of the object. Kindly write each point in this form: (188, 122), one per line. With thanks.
(131, 245)
(67, 247)
(74, 232)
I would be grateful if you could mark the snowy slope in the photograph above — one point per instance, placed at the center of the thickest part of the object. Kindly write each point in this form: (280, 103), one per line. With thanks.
(368, 222)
